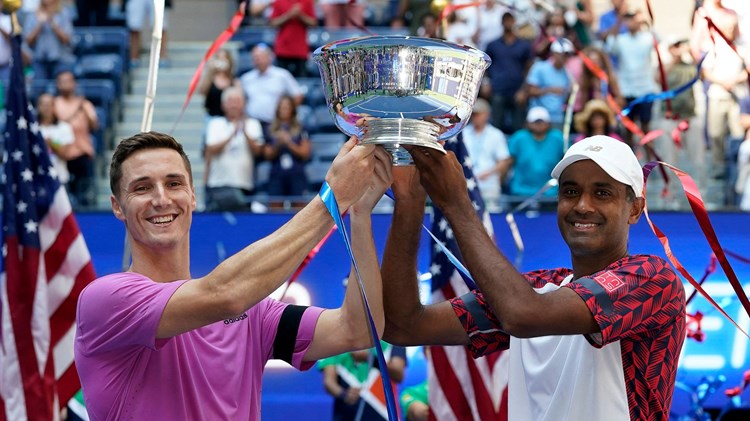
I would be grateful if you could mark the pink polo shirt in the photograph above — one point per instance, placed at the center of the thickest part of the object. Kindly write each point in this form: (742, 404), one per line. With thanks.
(213, 372)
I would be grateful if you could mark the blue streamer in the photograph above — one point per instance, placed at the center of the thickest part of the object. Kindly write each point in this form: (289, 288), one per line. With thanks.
(326, 195)
(468, 279)
(666, 94)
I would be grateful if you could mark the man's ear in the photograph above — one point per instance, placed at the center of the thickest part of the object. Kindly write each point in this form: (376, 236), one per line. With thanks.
(636, 209)
(116, 208)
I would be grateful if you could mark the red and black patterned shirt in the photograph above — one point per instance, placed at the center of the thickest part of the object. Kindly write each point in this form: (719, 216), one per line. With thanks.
(638, 300)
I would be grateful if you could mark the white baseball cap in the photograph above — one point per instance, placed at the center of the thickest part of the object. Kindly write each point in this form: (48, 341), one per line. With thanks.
(562, 46)
(613, 156)
(536, 114)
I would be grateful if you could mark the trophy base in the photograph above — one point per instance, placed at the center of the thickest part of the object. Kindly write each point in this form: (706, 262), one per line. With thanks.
(394, 132)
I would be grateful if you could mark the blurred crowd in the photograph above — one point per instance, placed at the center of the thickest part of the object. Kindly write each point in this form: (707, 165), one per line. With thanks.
(560, 71)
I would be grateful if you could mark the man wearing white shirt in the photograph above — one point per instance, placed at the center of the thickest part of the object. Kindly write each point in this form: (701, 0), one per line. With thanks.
(266, 84)
(488, 151)
(232, 143)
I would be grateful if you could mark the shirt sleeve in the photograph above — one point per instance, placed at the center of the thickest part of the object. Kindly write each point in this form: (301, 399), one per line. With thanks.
(501, 149)
(293, 88)
(290, 329)
(534, 77)
(120, 311)
(485, 333)
(215, 132)
(637, 297)
(254, 130)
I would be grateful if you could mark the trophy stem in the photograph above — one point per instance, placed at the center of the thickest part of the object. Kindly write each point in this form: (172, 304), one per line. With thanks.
(394, 132)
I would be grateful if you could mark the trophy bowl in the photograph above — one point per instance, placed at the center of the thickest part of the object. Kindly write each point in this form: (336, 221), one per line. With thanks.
(400, 90)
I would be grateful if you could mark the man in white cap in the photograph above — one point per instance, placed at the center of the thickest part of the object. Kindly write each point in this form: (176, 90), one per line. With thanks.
(534, 151)
(598, 341)
(549, 82)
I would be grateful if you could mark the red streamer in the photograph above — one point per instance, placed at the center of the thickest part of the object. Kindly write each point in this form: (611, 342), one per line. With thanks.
(710, 268)
(701, 215)
(736, 391)
(694, 326)
(234, 24)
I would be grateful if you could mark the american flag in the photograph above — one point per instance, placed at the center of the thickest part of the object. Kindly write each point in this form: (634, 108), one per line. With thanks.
(45, 266)
(460, 387)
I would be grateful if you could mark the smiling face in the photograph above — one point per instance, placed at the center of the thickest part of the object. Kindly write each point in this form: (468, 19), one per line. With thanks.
(155, 200)
(594, 212)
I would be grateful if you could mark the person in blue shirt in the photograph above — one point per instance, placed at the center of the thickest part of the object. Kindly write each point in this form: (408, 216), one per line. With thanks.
(534, 151)
(549, 83)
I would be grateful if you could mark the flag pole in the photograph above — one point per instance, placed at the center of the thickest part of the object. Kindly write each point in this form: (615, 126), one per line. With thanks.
(148, 103)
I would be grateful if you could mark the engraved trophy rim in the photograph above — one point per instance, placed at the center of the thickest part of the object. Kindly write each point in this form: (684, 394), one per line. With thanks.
(393, 90)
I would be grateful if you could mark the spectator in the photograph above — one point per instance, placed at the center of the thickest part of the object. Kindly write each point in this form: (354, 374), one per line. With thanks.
(742, 186)
(232, 143)
(682, 113)
(579, 16)
(596, 118)
(489, 14)
(635, 70)
(609, 18)
(137, 11)
(414, 402)
(288, 149)
(57, 134)
(533, 154)
(80, 113)
(488, 151)
(339, 14)
(591, 87)
(459, 30)
(292, 18)
(725, 74)
(5, 53)
(346, 375)
(555, 27)
(429, 27)
(48, 33)
(511, 58)
(701, 36)
(413, 12)
(265, 85)
(220, 76)
(549, 83)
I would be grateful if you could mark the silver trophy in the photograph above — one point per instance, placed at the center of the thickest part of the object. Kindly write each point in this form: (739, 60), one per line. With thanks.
(400, 90)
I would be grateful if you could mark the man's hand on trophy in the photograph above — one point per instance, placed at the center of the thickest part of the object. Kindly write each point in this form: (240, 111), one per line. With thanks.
(406, 185)
(381, 179)
(351, 172)
(441, 175)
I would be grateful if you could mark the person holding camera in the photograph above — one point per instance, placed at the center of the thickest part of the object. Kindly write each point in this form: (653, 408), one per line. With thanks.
(220, 75)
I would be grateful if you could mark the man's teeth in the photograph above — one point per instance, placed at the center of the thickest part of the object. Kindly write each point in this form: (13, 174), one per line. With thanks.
(580, 225)
(162, 219)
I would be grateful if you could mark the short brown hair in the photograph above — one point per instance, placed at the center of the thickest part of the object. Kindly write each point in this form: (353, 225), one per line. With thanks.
(141, 141)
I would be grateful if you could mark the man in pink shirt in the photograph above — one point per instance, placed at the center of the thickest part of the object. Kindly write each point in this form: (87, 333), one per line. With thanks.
(152, 343)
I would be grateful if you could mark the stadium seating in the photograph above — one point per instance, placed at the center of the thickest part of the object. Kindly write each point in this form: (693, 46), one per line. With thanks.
(103, 40)
(323, 120)
(325, 146)
(102, 66)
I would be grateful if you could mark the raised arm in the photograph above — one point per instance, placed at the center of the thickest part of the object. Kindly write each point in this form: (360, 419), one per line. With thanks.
(347, 328)
(255, 272)
(521, 311)
(407, 321)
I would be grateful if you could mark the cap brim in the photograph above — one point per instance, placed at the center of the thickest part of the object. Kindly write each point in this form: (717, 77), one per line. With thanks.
(603, 164)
